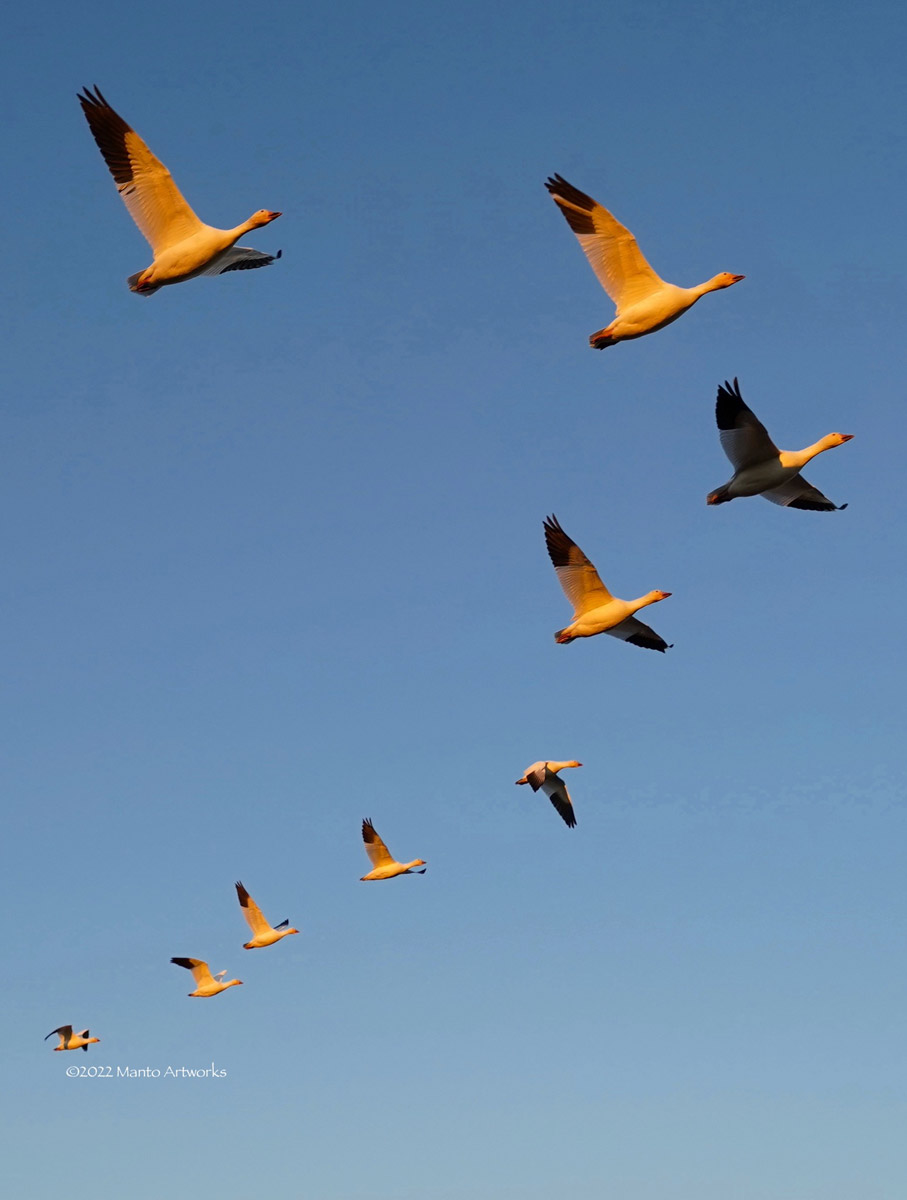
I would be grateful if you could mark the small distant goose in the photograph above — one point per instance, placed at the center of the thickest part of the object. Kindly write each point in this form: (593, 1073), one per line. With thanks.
(760, 468)
(595, 610)
(183, 246)
(384, 865)
(206, 984)
(70, 1040)
(544, 775)
(263, 933)
(644, 301)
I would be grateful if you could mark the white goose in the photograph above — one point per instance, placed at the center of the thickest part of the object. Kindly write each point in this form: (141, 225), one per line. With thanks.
(70, 1040)
(544, 775)
(760, 468)
(384, 865)
(263, 933)
(644, 301)
(205, 983)
(183, 246)
(595, 610)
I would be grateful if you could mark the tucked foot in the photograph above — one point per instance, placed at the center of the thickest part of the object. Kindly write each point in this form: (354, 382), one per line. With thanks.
(598, 341)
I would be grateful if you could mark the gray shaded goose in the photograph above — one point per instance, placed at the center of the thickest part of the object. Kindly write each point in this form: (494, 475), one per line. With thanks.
(544, 775)
(644, 301)
(183, 246)
(595, 610)
(760, 468)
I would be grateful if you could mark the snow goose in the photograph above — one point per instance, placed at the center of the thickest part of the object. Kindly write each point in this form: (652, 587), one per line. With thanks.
(384, 865)
(544, 775)
(263, 933)
(595, 610)
(183, 246)
(644, 301)
(70, 1040)
(206, 984)
(760, 468)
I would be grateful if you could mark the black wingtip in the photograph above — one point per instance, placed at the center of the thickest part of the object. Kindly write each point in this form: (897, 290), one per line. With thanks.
(729, 404)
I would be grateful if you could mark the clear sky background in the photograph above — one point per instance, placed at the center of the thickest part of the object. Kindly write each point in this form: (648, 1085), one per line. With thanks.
(273, 562)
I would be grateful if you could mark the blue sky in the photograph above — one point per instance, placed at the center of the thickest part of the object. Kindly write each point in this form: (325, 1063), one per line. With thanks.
(274, 563)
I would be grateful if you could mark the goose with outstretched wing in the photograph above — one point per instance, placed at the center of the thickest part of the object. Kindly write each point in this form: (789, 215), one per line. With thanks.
(183, 246)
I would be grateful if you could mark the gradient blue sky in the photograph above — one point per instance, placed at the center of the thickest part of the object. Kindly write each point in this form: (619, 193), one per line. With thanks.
(274, 562)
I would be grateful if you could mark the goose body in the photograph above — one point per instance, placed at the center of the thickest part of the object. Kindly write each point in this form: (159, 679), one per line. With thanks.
(384, 865)
(544, 775)
(595, 610)
(644, 301)
(183, 246)
(205, 982)
(761, 469)
(263, 934)
(70, 1040)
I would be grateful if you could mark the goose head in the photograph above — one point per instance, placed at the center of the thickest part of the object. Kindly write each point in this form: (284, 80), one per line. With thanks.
(836, 439)
(263, 217)
(723, 280)
(654, 597)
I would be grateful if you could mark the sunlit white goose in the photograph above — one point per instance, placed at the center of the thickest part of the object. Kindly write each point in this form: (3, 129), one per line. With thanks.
(595, 610)
(183, 246)
(384, 865)
(760, 468)
(644, 301)
(544, 775)
(263, 933)
(205, 983)
(72, 1041)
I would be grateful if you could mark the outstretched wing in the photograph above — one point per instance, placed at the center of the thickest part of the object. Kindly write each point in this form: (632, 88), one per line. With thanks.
(576, 574)
(378, 853)
(64, 1030)
(200, 972)
(637, 633)
(240, 258)
(744, 438)
(536, 775)
(154, 201)
(610, 247)
(556, 791)
(251, 911)
(797, 493)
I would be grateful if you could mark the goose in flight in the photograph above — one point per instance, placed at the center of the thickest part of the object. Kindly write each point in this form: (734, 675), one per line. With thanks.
(544, 775)
(205, 983)
(70, 1040)
(644, 301)
(760, 468)
(263, 934)
(384, 865)
(595, 610)
(183, 246)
